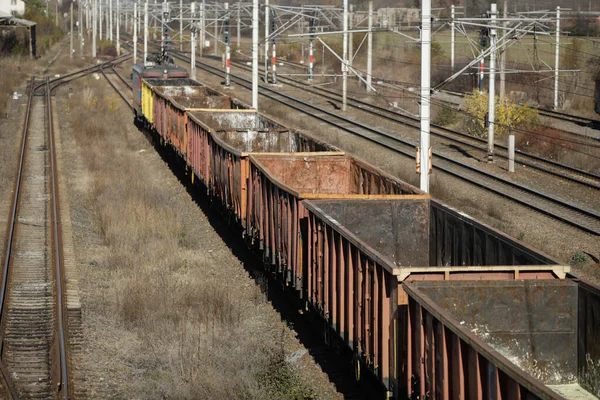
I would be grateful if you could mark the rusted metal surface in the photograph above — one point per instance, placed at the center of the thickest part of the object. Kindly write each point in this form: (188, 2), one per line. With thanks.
(351, 246)
(279, 182)
(220, 156)
(505, 339)
(458, 239)
(393, 232)
(588, 340)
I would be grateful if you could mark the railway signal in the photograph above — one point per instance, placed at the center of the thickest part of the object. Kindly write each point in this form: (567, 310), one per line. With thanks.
(227, 48)
(311, 29)
(274, 57)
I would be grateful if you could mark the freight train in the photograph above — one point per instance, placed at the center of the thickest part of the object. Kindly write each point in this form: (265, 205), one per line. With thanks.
(432, 303)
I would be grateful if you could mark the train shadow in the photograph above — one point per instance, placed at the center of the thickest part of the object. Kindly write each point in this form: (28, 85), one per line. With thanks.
(334, 359)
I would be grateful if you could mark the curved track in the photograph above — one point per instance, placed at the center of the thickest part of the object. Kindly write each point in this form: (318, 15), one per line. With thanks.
(34, 353)
(33, 328)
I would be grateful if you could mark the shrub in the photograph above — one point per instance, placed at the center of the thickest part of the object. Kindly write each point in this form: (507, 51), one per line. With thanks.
(507, 114)
(446, 116)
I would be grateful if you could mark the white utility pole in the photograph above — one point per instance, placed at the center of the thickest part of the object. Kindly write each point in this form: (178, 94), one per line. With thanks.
(267, 42)
(370, 48)
(94, 11)
(180, 25)
(503, 55)
(345, 59)
(556, 58)
(311, 38)
(423, 152)
(101, 18)
(135, 38)
(154, 22)
(255, 54)
(452, 37)
(71, 46)
(239, 23)
(81, 27)
(274, 59)
(145, 33)
(110, 20)
(119, 28)
(202, 33)
(492, 88)
(227, 47)
(511, 147)
(350, 35)
(193, 42)
(216, 46)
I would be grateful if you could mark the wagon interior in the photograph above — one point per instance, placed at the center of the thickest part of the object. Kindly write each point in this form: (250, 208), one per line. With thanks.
(459, 242)
(228, 120)
(270, 141)
(173, 82)
(546, 328)
(203, 101)
(187, 90)
(397, 229)
(330, 174)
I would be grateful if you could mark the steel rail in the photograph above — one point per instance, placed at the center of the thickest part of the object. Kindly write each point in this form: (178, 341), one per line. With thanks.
(115, 87)
(378, 110)
(327, 118)
(85, 71)
(576, 119)
(58, 251)
(14, 212)
(11, 231)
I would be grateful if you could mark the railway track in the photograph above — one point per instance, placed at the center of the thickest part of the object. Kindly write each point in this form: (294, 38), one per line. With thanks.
(456, 137)
(32, 303)
(583, 219)
(576, 119)
(36, 310)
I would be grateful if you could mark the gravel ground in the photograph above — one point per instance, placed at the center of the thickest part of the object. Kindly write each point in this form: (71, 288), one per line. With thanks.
(554, 238)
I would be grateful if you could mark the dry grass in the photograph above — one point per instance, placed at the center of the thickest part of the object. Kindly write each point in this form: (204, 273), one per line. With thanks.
(197, 335)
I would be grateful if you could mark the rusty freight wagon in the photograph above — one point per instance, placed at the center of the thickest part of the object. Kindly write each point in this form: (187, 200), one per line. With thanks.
(278, 184)
(144, 110)
(357, 254)
(155, 95)
(503, 340)
(220, 143)
(143, 71)
(171, 111)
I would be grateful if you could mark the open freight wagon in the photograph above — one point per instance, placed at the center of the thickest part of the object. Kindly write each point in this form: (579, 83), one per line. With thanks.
(221, 142)
(503, 340)
(358, 253)
(171, 111)
(278, 184)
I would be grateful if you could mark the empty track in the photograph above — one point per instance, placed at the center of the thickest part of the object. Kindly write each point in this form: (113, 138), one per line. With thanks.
(33, 335)
(34, 315)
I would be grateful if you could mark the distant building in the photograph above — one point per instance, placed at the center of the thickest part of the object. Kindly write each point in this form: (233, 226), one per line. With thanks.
(392, 17)
(12, 7)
